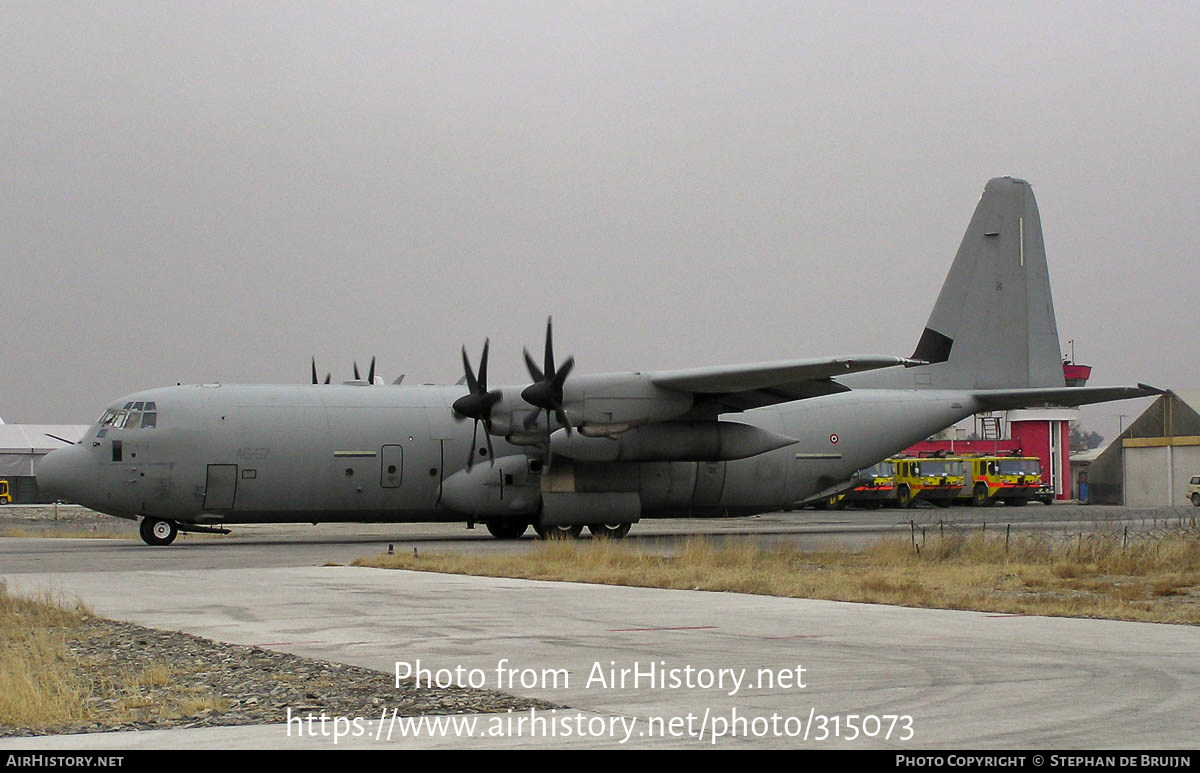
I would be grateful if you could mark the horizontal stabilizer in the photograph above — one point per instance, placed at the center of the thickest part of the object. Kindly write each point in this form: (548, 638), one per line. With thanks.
(1003, 399)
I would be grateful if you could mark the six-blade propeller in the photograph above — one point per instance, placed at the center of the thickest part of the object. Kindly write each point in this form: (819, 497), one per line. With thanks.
(477, 403)
(546, 391)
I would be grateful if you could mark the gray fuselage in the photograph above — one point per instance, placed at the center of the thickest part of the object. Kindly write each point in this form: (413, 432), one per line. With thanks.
(272, 453)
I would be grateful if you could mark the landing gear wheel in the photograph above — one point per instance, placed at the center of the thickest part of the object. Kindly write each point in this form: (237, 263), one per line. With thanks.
(507, 529)
(609, 530)
(558, 532)
(903, 497)
(979, 496)
(156, 532)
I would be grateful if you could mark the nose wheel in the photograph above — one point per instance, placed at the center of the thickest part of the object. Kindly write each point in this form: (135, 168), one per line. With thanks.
(157, 532)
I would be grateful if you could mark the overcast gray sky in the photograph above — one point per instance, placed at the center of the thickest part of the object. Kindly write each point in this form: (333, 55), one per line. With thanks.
(218, 191)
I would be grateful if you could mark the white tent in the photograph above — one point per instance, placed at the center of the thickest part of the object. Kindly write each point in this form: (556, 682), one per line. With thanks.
(21, 445)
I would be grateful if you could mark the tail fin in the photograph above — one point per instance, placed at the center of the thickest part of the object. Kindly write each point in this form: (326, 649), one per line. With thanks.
(993, 324)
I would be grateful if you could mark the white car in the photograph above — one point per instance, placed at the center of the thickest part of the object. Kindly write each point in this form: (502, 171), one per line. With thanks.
(1193, 490)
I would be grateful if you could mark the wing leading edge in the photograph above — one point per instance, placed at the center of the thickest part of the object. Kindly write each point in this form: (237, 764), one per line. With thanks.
(754, 385)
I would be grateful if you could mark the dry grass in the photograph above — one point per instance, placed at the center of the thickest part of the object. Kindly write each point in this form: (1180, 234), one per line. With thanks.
(1149, 578)
(38, 682)
(42, 684)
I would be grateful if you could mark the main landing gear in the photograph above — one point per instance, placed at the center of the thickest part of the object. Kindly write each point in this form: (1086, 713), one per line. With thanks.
(514, 529)
(157, 532)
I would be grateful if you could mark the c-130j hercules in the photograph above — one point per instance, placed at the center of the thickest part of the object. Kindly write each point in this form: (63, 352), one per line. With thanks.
(572, 450)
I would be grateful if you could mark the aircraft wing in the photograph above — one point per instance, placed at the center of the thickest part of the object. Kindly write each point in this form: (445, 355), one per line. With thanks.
(1003, 399)
(741, 387)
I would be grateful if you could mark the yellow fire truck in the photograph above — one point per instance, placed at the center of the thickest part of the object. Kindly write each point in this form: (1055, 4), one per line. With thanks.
(937, 480)
(869, 487)
(1013, 480)
(5, 494)
(872, 486)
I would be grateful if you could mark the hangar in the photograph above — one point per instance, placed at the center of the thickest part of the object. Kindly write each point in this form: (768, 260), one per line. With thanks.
(1150, 463)
(22, 446)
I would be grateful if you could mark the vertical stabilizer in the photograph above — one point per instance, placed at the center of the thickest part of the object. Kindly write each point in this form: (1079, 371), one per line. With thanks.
(993, 324)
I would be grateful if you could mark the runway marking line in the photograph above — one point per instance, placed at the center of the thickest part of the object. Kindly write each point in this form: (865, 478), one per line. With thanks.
(676, 628)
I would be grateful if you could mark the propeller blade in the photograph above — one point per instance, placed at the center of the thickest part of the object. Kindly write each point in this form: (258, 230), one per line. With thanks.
(371, 372)
(549, 349)
(561, 415)
(487, 435)
(534, 371)
(471, 452)
(472, 384)
(561, 376)
(483, 365)
(314, 369)
(328, 378)
(356, 376)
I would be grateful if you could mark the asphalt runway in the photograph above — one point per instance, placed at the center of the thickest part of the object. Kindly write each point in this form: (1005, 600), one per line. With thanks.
(280, 545)
(953, 679)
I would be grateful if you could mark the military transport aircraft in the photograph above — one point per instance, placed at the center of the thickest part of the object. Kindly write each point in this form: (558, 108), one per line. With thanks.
(572, 450)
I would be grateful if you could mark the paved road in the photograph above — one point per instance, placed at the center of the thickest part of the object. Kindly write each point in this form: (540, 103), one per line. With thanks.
(967, 679)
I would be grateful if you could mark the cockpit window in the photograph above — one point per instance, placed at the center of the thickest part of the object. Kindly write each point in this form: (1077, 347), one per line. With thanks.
(134, 416)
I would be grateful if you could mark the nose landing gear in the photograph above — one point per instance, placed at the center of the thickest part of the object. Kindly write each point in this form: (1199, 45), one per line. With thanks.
(157, 532)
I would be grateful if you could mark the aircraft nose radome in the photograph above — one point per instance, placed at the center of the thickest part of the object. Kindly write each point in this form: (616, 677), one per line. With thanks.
(58, 472)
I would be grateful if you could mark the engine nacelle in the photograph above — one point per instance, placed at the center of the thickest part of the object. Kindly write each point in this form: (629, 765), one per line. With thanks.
(504, 489)
(709, 441)
(595, 404)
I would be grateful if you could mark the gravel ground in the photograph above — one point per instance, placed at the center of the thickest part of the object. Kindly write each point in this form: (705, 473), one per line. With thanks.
(208, 683)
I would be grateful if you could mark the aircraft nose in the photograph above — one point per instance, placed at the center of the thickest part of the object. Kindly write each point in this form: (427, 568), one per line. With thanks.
(61, 473)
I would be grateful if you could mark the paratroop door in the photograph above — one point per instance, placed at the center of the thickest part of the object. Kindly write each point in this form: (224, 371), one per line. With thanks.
(221, 487)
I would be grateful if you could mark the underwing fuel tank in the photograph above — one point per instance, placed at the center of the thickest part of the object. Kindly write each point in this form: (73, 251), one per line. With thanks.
(708, 441)
(505, 488)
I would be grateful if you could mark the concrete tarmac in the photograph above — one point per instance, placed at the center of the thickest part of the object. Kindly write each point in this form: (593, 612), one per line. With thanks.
(967, 680)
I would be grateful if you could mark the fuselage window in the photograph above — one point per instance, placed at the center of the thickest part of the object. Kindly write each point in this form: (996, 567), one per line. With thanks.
(134, 421)
(149, 420)
(108, 417)
(119, 422)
